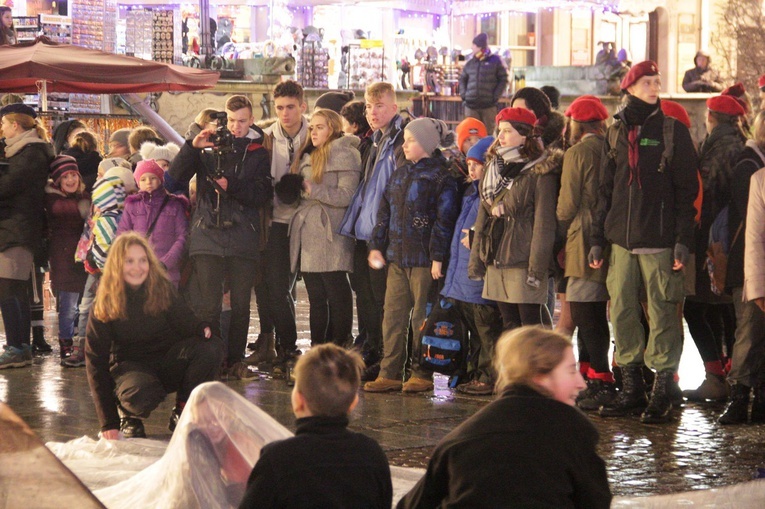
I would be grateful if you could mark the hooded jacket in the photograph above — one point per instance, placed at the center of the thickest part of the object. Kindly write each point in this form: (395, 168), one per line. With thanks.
(524, 235)
(22, 191)
(417, 214)
(313, 238)
(483, 81)
(66, 218)
(384, 157)
(650, 207)
(108, 204)
(234, 229)
(702, 80)
(168, 239)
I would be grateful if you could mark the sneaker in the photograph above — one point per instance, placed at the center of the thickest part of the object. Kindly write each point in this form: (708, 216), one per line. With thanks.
(383, 385)
(713, 388)
(476, 388)
(240, 371)
(416, 384)
(132, 427)
(14, 357)
(27, 352)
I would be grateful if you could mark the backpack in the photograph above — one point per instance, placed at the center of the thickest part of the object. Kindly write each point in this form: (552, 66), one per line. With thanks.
(443, 340)
(718, 250)
(668, 129)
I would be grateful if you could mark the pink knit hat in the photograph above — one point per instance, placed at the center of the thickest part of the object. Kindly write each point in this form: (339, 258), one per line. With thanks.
(148, 166)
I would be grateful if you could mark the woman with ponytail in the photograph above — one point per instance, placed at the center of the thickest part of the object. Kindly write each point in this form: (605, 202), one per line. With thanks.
(22, 221)
(516, 224)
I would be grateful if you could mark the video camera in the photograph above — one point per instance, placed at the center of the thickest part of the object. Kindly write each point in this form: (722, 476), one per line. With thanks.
(222, 139)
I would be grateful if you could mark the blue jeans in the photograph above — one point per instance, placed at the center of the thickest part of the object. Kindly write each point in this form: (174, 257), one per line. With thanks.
(88, 296)
(68, 303)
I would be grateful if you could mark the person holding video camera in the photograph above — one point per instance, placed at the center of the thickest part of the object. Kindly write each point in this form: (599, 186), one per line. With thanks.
(233, 175)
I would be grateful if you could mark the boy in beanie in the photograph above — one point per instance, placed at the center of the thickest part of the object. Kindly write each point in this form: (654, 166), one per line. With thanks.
(468, 132)
(324, 464)
(414, 226)
(118, 143)
(645, 211)
(482, 82)
(481, 316)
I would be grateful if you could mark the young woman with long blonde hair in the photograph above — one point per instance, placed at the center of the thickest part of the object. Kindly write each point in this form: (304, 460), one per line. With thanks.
(143, 341)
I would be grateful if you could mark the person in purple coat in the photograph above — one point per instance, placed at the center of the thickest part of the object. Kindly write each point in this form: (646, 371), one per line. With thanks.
(159, 215)
(67, 205)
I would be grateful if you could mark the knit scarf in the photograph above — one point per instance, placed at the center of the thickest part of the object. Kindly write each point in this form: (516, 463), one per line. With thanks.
(636, 113)
(501, 171)
(14, 145)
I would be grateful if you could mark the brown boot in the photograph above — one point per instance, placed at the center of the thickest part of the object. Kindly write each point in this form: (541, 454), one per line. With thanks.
(264, 351)
(416, 384)
(383, 385)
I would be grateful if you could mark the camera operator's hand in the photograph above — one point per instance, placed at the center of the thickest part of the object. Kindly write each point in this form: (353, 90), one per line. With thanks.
(202, 140)
(223, 183)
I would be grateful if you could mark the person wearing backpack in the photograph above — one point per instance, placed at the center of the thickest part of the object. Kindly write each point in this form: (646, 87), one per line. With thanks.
(645, 212)
(717, 156)
(747, 369)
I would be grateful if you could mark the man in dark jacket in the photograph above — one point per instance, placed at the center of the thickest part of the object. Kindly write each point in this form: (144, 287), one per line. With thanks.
(702, 78)
(645, 211)
(232, 185)
(482, 82)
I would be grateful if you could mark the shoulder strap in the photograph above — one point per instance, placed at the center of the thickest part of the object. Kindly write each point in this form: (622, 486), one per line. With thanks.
(613, 139)
(669, 143)
(738, 231)
(150, 230)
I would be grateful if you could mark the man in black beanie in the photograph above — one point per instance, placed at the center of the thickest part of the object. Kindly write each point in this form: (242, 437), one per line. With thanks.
(482, 82)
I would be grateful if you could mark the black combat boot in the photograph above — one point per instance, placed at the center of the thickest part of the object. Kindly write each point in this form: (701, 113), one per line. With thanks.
(738, 408)
(660, 406)
(758, 405)
(631, 398)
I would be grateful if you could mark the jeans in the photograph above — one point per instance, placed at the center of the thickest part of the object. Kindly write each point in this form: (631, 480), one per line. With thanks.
(68, 309)
(209, 273)
(86, 302)
(276, 307)
(331, 304)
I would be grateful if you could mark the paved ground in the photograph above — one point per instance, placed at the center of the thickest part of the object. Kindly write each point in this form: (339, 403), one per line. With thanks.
(693, 452)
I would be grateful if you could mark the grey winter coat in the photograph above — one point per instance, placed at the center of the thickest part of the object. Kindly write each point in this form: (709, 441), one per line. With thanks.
(314, 240)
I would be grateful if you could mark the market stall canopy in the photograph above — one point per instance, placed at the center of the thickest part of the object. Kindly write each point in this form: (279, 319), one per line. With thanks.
(73, 69)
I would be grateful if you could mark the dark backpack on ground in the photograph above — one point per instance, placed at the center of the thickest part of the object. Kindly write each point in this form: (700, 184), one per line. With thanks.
(443, 340)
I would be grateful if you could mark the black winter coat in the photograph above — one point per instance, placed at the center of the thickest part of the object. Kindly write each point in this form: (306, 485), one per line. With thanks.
(141, 338)
(323, 465)
(22, 196)
(235, 230)
(87, 164)
(522, 450)
(483, 82)
(717, 156)
(751, 159)
(417, 213)
(647, 208)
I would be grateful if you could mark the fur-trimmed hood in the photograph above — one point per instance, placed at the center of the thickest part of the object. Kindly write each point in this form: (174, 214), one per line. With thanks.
(552, 163)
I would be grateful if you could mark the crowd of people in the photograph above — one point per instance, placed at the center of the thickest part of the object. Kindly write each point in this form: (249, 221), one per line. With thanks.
(154, 252)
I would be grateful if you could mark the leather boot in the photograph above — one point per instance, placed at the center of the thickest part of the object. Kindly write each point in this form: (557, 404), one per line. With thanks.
(39, 345)
(631, 398)
(737, 410)
(264, 351)
(65, 347)
(660, 405)
(758, 405)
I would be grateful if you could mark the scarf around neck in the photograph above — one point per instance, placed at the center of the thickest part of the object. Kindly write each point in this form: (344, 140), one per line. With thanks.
(501, 171)
(14, 145)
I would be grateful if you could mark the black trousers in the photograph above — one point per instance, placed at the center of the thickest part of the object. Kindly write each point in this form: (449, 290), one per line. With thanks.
(369, 285)
(594, 335)
(276, 305)
(141, 386)
(331, 306)
(706, 328)
(517, 315)
(14, 306)
(209, 274)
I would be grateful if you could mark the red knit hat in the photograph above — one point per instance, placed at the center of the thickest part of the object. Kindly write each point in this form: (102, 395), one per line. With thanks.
(587, 109)
(761, 82)
(521, 115)
(725, 104)
(148, 166)
(676, 111)
(467, 128)
(637, 71)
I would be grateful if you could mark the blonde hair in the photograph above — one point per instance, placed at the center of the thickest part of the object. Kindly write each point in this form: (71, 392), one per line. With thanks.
(111, 297)
(758, 129)
(377, 90)
(320, 155)
(205, 116)
(328, 377)
(27, 123)
(527, 352)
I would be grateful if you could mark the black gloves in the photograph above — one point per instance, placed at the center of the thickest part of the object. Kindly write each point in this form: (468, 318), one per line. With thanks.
(595, 255)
